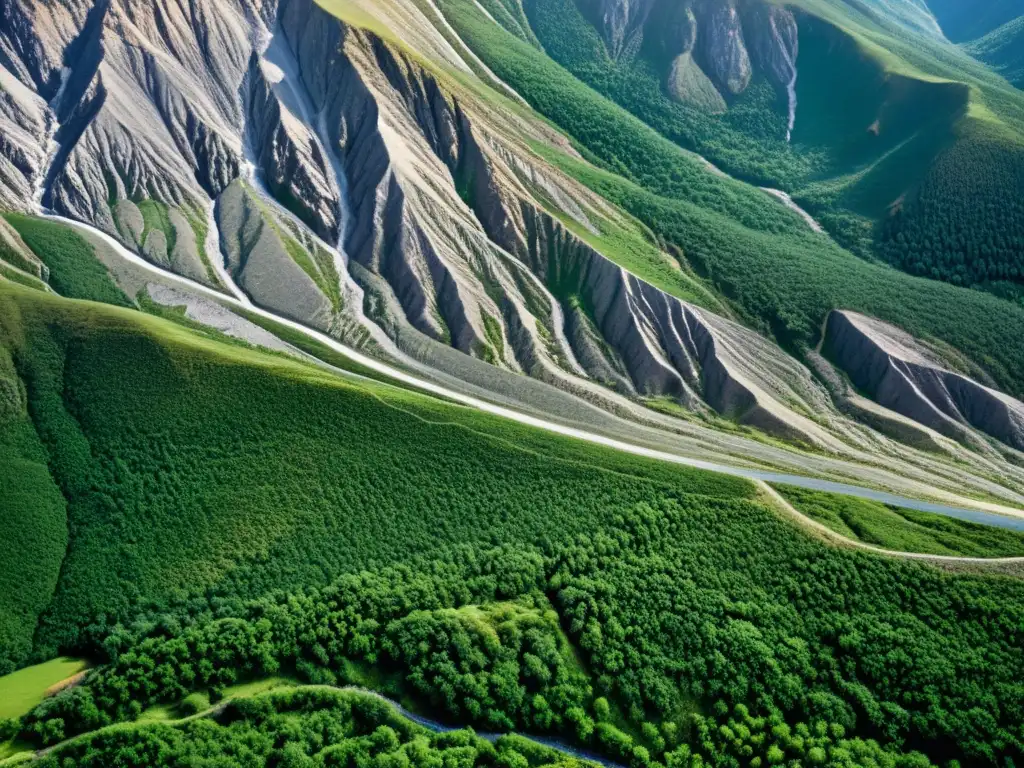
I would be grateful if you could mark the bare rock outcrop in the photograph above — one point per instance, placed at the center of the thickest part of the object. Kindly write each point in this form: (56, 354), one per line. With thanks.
(14, 252)
(286, 150)
(902, 374)
(621, 22)
(256, 253)
(310, 133)
(709, 50)
(23, 129)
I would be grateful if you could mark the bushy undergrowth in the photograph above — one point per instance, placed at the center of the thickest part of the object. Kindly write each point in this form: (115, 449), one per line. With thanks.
(658, 614)
(74, 269)
(297, 729)
(963, 226)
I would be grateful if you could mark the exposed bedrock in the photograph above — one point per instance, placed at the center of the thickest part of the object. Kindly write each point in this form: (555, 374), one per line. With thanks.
(24, 121)
(34, 36)
(255, 251)
(709, 50)
(629, 334)
(140, 100)
(902, 374)
(397, 136)
(287, 153)
(620, 22)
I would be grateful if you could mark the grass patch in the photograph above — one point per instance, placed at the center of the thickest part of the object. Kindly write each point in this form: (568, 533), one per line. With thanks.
(75, 272)
(21, 691)
(17, 276)
(155, 218)
(903, 530)
(201, 230)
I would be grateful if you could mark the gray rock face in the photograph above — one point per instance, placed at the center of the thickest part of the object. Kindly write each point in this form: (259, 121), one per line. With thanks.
(903, 375)
(287, 153)
(710, 48)
(256, 256)
(621, 23)
(146, 107)
(721, 49)
(23, 128)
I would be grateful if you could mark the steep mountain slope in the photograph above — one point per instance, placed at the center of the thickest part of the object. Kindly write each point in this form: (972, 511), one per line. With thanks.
(387, 188)
(969, 21)
(857, 109)
(311, 215)
(305, 529)
(1003, 50)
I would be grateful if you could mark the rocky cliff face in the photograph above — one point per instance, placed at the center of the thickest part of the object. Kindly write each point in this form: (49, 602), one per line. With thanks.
(903, 375)
(268, 148)
(709, 50)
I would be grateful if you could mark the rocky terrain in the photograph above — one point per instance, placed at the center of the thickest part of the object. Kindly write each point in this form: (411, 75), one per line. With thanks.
(902, 374)
(709, 50)
(327, 174)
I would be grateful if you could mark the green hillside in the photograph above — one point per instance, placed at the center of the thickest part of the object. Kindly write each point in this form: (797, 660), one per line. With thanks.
(904, 530)
(345, 531)
(142, 423)
(1003, 50)
(904, 148)
(756, 253)
(962, 21)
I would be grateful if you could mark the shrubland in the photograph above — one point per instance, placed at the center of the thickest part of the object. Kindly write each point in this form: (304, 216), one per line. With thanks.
(490, 575)
(783, 277)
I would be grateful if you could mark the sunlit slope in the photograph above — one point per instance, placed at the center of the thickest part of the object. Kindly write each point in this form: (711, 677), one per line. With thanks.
(963, 21)
(900, 143)
(189, 465)
(784, 277)
(1003, 50)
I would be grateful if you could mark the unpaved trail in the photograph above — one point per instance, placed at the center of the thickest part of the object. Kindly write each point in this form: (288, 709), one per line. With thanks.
(790, 203)
(837, 538)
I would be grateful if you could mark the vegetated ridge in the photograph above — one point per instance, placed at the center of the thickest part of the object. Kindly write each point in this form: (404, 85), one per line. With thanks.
(587, 543)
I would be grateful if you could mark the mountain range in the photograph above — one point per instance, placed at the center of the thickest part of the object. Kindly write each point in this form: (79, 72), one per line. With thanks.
(779, 240)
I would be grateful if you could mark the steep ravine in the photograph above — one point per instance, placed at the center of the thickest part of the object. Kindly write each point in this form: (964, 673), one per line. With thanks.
(451, 230)
(970, 510)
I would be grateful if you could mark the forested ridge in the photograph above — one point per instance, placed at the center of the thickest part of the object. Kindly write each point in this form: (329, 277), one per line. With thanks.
(763, 257)
(895, 166)
(658, 615)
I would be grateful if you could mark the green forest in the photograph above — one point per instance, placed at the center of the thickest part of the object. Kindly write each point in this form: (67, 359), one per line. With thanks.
(783, 277)
(347, 533)
(925, 190)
